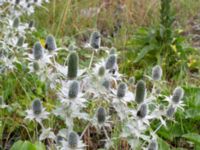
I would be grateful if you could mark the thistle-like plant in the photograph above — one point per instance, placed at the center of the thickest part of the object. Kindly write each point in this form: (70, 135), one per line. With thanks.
(111, 61)
(178, 94)
(38, 51)
(95, 40)
(142, 111)
(16, 22)
(73, 89)
(156, 73)
(101, 115)
(121, 91)
(73, 62)
(50, 43)
(140, 91)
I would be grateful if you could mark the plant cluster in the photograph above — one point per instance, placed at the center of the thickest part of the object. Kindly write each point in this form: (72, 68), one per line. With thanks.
(115, 99)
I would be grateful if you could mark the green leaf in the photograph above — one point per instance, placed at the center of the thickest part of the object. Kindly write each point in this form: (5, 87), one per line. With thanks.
(26, 145)
(194, 137)
(144, 51)
(163, 145)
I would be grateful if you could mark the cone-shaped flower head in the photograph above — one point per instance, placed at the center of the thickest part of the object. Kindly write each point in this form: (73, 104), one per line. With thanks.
(140, 91)
(106, 83)
(113, 51)
(170, 111)
(101, 115)
(73, 61)
(121, 90)
(131, 80)
(50, 43)
(95, 40)
(20, 41)
(37, 106)
(153, 145)
(17, 2)
(16, 22)
(178, 94)
(38, 51)
(142, 112)
(31, 24)
(101, 71)
(73, 139)
(73, 89)
(156, 73)
(111, 61)
(36, 66)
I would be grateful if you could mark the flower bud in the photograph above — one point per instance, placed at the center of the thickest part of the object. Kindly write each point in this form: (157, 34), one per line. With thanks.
(16, 22)
(170, 111)
(156, 73)
(142, 112)
(38, 51)
(73, 61)
(131, 80)
(20, 41)
(50, 43)
(140, 91)
(101, 71)
(111, 61)
(101, 115)
(113, 51)
(36, 66)
(37, 107)
(73, 140)
(106, 84)
(121, 91)
(73, 89)
(95, 40)
(177, 94)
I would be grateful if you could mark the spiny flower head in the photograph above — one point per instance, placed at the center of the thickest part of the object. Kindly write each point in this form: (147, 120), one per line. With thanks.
(170, 111)
(20, 41)
(156, 73)
(73, 61)
(113, 51)
(16, 22)
(121, 91)
(95, 40)
(106, 83)
(101, 115)
(178, 94)
(38, 51)
(73, 89)
(153, 145)
(37, 107)
(140, 91)
(142, 112)
(111, 61)
(50, 43)
(73, 139)
(101, 71)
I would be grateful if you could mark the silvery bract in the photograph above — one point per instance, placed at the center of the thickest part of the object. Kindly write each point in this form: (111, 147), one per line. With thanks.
(101, 115)
(73, 61)
(16, 22)
(111, 61)
(38, 51)
(140, 91)
(153, 145)
(170, 111)
(37, 107)
(50, 43)
(73, 89)
(20, 41)
(177, 94)
(121, 91)
(156, 73)
(142, 112)
(73, 140)
(101, 71)
(95, 40)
